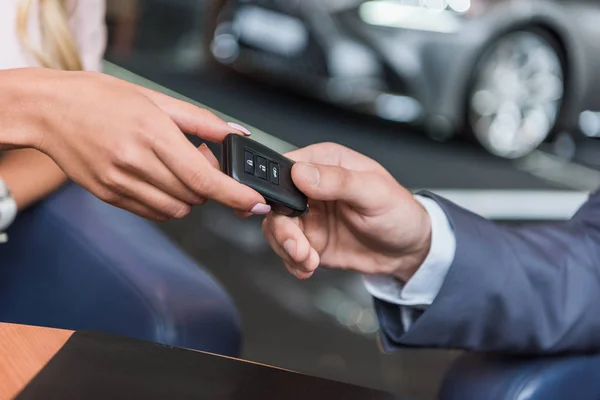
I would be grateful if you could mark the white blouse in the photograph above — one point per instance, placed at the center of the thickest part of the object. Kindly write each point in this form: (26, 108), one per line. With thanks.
(87, 20)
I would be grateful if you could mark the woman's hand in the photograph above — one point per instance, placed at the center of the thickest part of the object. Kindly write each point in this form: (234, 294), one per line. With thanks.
(360, 218)
(124, 143)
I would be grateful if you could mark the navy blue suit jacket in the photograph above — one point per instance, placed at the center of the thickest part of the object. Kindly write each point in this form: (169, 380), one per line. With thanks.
(522, 289)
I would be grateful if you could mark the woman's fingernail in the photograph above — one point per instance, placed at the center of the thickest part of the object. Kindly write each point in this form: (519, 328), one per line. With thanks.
(290, 247)
(261, 209)
(244, 130)
(310, 173)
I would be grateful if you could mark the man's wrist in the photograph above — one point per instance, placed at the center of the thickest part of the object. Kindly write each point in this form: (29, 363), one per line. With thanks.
(424, 285)
(414, 258)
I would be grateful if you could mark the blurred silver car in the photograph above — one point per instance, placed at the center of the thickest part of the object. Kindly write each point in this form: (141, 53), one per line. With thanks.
(509, 73)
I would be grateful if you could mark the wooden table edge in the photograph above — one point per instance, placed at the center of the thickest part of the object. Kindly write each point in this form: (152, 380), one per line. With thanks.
(24, 351)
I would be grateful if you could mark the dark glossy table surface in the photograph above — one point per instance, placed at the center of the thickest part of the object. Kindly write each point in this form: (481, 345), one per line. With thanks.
(41, 363)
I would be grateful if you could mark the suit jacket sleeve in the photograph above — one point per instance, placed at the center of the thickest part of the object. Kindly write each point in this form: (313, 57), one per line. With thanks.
(522, 289)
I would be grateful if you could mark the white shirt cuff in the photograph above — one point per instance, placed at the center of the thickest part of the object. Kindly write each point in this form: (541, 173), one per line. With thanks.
(422, 289)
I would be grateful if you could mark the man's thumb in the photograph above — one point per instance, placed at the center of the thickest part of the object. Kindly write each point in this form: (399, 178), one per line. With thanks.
(331, 183)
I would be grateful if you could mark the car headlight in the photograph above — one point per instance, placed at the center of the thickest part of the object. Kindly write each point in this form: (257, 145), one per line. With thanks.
(397, 15)
(443, 16)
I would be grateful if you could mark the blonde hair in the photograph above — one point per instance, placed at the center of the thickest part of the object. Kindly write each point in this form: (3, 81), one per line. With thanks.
(59, 49)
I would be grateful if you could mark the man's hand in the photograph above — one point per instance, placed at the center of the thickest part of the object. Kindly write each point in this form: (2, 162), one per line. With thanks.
(360, 218)
(123, 143)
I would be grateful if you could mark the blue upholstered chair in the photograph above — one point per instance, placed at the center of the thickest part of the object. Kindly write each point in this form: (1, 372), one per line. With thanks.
(75, 262)
(498, 377)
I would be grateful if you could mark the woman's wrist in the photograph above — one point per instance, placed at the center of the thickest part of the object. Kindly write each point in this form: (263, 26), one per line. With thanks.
(25, 106)
(17, 115)
(8, 208)
(30, 176)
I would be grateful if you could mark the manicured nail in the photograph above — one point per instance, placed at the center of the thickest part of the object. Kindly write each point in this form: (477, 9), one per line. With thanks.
(290, 247)
(244, 130)
(261, 209)
(310, 173)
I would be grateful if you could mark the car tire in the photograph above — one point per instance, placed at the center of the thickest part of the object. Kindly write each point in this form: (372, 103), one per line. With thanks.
(516, 93)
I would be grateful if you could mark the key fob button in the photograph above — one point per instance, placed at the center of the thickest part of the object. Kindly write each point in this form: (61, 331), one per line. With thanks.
(274, 173)
(249, 162)
(261, 167)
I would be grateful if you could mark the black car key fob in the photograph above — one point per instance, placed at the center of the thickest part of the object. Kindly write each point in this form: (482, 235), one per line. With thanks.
(266, 171)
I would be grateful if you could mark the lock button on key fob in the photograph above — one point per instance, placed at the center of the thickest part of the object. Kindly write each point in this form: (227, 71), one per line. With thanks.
(249, 162)
(266, 171)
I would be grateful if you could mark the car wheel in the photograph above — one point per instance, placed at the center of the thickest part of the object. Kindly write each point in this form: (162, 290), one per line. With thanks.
(516, 94)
